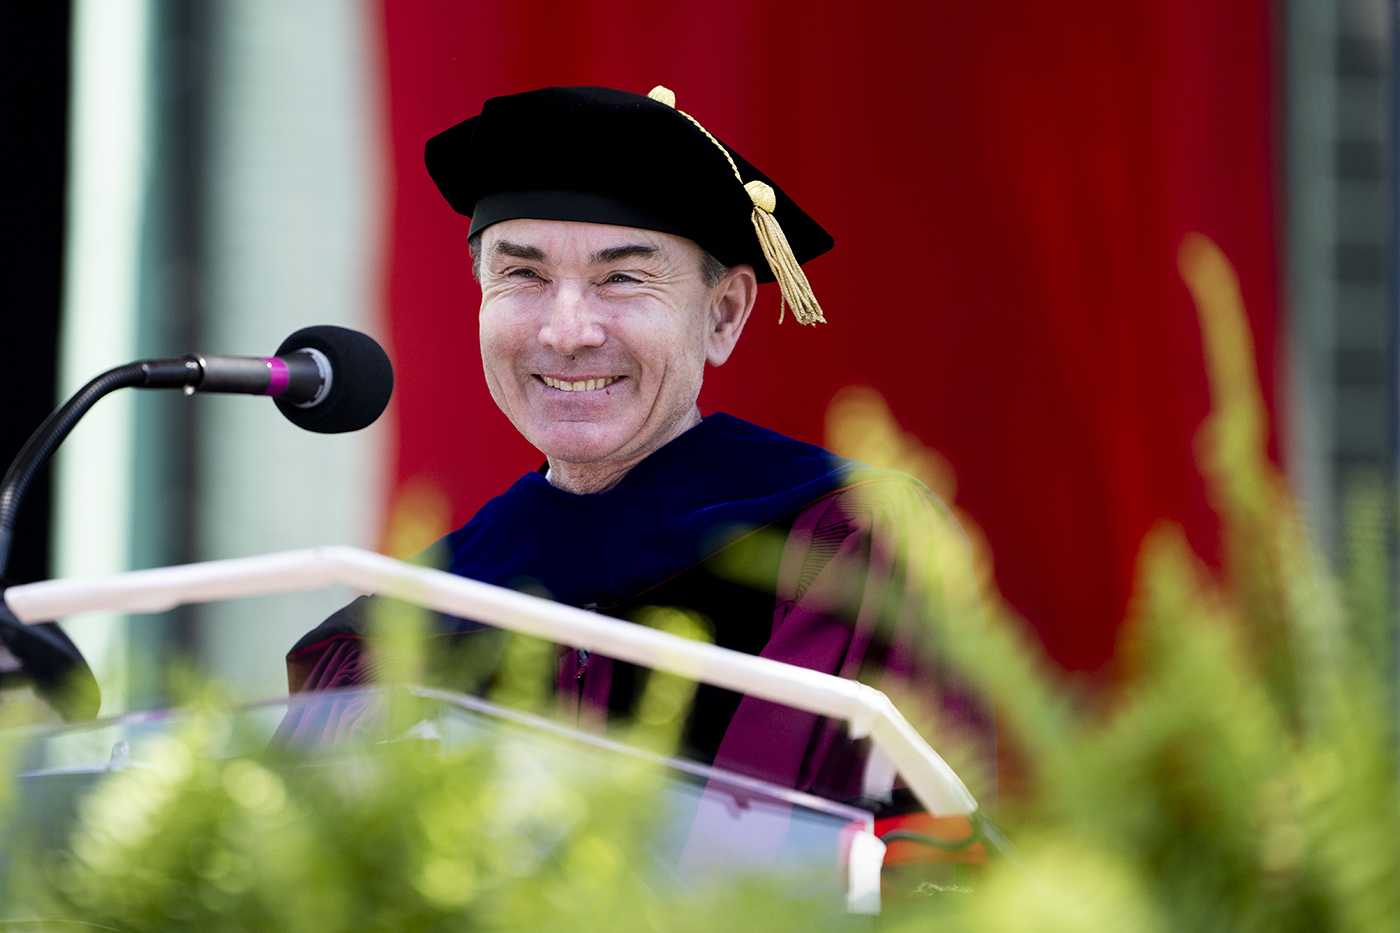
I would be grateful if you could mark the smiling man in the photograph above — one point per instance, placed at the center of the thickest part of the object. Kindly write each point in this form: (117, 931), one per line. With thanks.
(619, 247)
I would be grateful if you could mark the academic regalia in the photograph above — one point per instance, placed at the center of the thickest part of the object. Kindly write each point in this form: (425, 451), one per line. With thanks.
(790, 552)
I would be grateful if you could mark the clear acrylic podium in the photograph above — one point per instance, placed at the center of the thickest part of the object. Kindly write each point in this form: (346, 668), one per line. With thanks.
(709, 822)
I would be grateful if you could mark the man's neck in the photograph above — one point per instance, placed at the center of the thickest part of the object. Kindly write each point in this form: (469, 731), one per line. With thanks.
(583, 478)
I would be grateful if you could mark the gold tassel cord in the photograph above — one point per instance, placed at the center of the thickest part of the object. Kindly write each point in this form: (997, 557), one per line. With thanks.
(792, 281)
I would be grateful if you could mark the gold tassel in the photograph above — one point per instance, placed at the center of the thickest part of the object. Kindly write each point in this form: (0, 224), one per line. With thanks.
(792, 281)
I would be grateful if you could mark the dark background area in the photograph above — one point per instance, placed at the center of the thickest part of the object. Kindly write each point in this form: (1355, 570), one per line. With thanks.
(34, 63)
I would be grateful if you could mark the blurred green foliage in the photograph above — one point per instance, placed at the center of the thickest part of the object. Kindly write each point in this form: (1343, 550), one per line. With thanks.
(1241, 774)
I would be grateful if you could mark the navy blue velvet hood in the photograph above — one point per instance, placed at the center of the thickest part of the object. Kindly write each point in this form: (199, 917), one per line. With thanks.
(693, 497)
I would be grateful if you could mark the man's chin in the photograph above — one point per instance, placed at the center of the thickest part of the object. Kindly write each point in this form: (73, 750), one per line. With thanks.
(581, 443)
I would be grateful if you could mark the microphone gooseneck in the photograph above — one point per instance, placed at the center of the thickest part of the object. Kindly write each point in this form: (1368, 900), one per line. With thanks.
(45, 440)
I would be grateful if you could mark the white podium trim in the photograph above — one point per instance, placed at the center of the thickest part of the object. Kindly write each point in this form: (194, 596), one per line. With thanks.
(868, 711)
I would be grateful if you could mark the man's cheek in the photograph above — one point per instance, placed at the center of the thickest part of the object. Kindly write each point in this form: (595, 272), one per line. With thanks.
(501, 336)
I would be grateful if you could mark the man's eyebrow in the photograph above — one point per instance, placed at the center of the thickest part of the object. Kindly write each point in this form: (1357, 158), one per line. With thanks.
(517, 251)
(614, 253)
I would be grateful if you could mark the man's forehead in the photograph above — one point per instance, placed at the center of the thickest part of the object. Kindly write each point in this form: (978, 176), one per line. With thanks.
(559, 240)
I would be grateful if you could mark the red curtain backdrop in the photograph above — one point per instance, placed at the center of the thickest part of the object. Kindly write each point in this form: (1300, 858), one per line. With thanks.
(1007, 184)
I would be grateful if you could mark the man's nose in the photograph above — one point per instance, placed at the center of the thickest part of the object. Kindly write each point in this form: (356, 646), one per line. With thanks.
(571, 324)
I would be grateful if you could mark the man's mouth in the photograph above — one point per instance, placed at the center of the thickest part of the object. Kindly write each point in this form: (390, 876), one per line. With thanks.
(586, 385)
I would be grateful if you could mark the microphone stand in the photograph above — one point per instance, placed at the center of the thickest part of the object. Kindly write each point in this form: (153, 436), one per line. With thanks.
(57, 668)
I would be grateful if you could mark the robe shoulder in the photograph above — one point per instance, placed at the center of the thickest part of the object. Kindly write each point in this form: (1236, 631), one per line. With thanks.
(859, 594)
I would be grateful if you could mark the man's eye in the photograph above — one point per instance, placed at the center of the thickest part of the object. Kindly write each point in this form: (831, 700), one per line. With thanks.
(523, 273)
(620, 277)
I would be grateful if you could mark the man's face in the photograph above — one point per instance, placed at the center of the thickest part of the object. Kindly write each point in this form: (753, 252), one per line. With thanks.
(594, 338)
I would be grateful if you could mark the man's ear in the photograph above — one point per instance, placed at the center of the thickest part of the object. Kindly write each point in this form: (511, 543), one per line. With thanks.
(731, 302)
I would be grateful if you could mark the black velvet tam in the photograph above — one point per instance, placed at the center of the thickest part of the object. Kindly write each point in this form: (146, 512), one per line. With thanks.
(598, 155)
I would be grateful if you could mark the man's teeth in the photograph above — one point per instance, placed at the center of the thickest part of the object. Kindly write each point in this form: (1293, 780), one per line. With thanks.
(588, 385)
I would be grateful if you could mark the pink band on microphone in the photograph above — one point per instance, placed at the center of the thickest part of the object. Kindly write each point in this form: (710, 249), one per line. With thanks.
(279, 373)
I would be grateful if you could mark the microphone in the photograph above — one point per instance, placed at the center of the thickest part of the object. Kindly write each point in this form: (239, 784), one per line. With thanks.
(325, 379)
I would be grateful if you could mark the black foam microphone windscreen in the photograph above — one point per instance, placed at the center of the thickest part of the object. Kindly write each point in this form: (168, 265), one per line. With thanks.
(361, 380)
